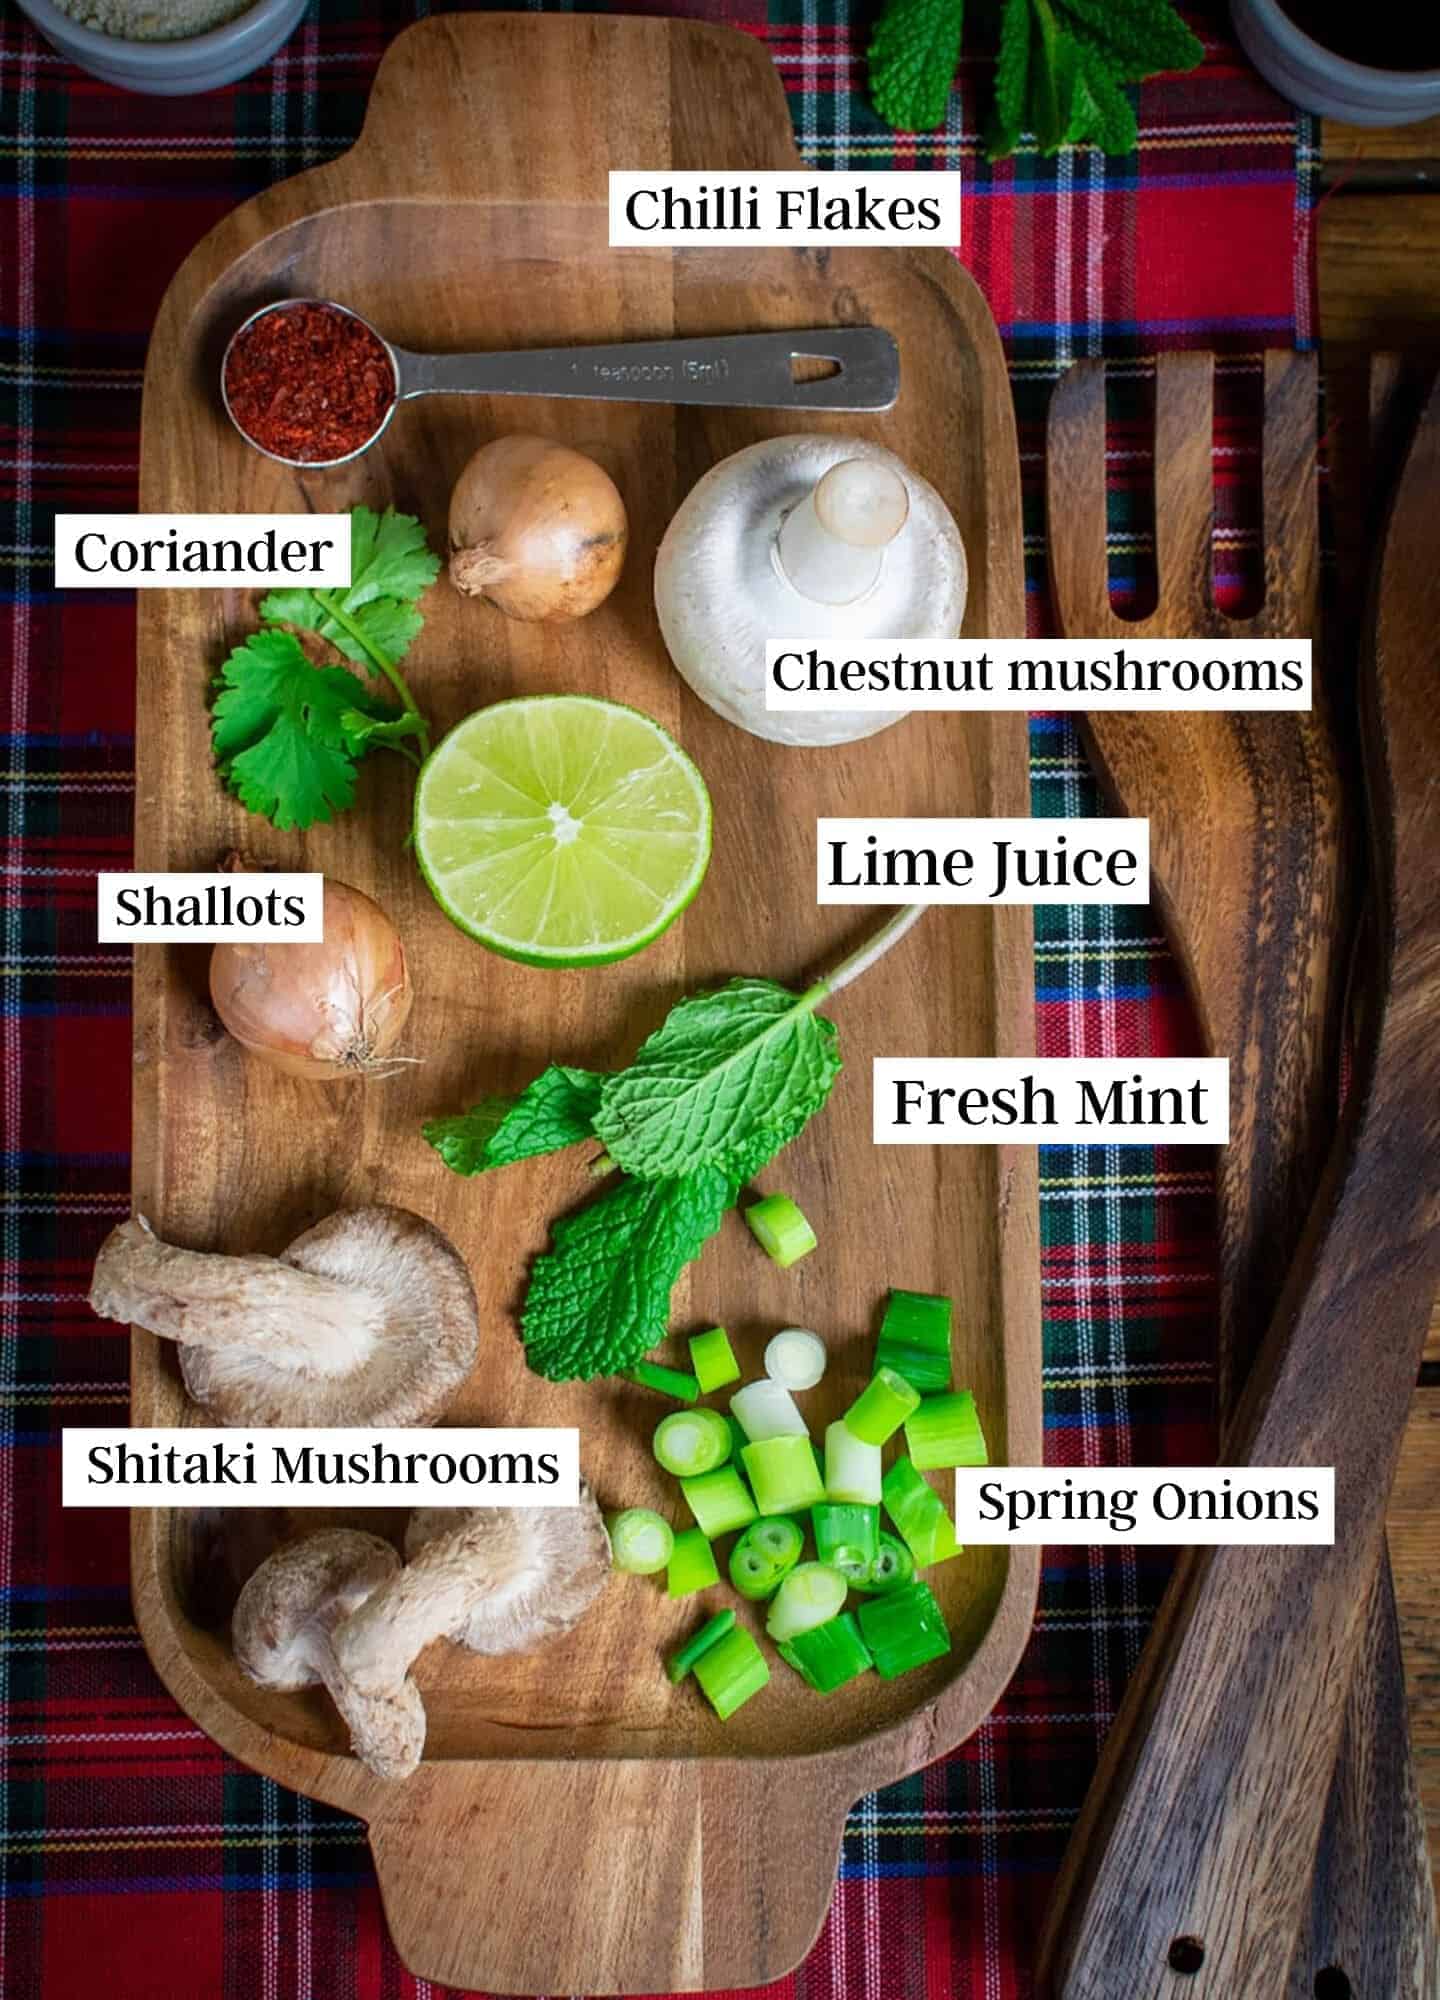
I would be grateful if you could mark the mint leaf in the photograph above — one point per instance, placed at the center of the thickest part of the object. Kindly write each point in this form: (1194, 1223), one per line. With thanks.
(1138, 38)
(599, 1299)
(556, 1110)
(913, 54)
(1012, 69)
(374, 620)
(1109, 115)
(1054, 66)
(724, 1066)
(278, 731)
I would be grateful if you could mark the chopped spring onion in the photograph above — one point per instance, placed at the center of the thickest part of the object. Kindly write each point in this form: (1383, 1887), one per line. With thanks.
(783, 1474)
(919, 1515)
(766, 1409)
(880, 1409)
(640, 1541)
(846, 1537)
(904, 1629)
(852, 1467)
(945, 1431)
(738, 1439)
(780, 1229)
(719, 1500)
(811, 1594)
(666, 1381)
(915, 1339)
(688, 1442)
(691, 1566)
(713, 1359)
(710, 1633)
(892, 1568)
(730, 1671)
(764, 1555)
(795, 1358)
(828, 1655)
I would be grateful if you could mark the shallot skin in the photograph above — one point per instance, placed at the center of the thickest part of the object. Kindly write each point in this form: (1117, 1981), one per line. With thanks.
(326, 1011)
(538, 529)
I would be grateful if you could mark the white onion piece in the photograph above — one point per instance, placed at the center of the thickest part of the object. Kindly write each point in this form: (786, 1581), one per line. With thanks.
(852, 1467)
(795, 1358)
(767, 1410)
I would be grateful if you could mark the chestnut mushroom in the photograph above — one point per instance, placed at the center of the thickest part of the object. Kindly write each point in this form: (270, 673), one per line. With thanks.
(368, 1318)
(283, 1635)
(493, 1579)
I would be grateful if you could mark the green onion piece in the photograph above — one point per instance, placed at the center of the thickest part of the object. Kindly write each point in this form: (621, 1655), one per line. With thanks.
(738, 1439)
(919, 1515)
(667, 1381)
(810, 1594)
(713, 1359)
(892, 1568)
(710, 1633)
(766, 1409)
(731, 1671)
(945, 1431)
(828, 1655)
(765, 1555)
(915, 1339)
(640, 1541)
(904, 1629)
(688, 1442)
(852, 1467)
(879, 1410)
(691, 1566)
(780, 1229)
(847, 1537)
(795, 1357)
(783, 1474)
(719, 1500)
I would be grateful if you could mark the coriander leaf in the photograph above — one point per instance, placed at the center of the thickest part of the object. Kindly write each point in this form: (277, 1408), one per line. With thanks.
(1137, 37)
(599, 1299)
(367, 732)
(278, 733)
(913, 54)
(373, 620)
(723, 1066)
(554, 1111)
(1012, 68)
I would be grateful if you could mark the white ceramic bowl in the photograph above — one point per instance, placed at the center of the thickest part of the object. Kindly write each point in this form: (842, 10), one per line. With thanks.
(1318, 80)
(172, 69)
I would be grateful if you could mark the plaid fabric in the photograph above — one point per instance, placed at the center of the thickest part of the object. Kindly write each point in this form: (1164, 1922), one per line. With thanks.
(136, 1861)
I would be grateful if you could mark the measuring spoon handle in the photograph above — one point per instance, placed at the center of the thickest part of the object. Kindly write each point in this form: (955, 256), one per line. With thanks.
(770, 371)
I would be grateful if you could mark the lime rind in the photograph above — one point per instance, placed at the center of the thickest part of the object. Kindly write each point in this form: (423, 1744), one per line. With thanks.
(562, 830)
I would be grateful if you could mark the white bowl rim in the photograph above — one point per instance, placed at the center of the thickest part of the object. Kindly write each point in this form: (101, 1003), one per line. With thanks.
(1302, 45)
(225, 39)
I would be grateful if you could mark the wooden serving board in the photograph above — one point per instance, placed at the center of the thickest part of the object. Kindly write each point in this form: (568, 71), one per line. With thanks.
(578, 1824)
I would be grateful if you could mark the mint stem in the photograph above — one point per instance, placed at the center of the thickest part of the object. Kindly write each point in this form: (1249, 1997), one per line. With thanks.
(873, 949)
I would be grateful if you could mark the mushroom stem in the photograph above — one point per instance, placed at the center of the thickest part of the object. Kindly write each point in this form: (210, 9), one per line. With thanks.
(832, 545)
(315, 1324)
(431, 1598)
(387, 1728)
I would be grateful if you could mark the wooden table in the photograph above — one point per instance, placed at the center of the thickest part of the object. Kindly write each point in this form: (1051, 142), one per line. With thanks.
(1379, 284)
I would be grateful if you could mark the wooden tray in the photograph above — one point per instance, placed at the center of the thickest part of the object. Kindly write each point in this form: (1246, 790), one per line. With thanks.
(577, 1824)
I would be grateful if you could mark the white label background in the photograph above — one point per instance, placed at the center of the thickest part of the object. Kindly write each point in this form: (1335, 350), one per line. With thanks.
(1061, 1074)
(1142, 1482)
(943, 188)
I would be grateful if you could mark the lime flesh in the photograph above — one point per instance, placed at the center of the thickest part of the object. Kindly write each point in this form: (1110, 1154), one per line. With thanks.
(561, 830)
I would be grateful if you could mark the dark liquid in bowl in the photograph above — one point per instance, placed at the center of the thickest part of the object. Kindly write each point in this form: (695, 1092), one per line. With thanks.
(1395, 34)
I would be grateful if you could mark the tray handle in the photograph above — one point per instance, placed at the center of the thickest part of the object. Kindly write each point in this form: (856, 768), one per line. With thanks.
(632, 1877)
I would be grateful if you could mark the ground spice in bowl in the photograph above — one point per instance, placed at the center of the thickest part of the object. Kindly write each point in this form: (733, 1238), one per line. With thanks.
(308, 382)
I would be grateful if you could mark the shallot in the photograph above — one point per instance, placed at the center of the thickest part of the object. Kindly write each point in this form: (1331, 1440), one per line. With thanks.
(537, 528)
(327, 1010)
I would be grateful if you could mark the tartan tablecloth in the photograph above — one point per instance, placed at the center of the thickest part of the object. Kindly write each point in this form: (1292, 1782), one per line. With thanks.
(136, 1861)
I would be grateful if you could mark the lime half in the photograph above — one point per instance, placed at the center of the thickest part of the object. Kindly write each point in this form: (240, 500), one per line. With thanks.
(561, 830)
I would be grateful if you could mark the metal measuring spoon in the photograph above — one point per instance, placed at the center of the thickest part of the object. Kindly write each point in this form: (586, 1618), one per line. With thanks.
(754, 371)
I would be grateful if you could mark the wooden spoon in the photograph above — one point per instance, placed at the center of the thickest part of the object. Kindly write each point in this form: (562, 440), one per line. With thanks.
(1250, 863)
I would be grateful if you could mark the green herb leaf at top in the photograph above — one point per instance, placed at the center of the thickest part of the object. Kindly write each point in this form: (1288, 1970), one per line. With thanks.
(373, 619)
(751, 1058)
(913, 55)
(279, 733)
(1101, 110)
(1139, 38)
(1012, 69)
(599, 1299)
(556, 1110)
